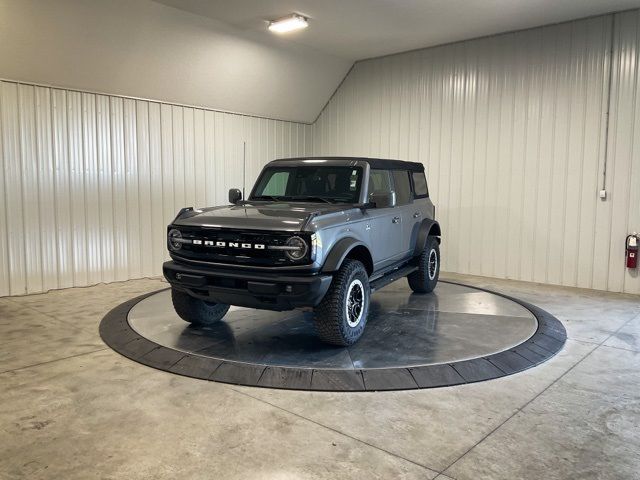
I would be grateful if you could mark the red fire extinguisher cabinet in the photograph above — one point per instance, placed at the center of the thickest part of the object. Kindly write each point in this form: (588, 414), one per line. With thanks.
(631, 247)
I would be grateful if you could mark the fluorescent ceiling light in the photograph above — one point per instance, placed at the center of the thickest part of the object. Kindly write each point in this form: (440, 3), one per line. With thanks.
(288, 24)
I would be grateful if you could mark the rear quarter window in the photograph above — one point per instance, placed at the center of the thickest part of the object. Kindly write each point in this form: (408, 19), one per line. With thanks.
(420, 184)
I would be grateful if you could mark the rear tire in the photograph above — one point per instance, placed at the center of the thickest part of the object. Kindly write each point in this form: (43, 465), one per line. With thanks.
(424, 279)
(196, 311)
(341, 316)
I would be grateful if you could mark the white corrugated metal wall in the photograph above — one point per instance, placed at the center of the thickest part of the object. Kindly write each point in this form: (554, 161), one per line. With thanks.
(89, 182)
(623, 170)
(511, 129)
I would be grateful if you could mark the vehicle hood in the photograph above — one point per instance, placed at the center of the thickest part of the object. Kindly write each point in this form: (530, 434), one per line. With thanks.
(281, 216)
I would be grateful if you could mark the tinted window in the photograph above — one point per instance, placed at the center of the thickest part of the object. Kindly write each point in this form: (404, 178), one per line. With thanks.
(420, 184)
(310, 183)
(379, 181)
(402, 186)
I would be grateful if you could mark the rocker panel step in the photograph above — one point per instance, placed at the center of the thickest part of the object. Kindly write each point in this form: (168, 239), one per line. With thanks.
(390, 277)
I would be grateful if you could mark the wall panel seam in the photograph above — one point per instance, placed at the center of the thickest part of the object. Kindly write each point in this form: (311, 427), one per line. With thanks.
(5, 234)
(19, 159)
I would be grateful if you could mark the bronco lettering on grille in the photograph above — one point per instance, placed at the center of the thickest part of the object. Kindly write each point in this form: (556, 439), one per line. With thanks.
(223, 244)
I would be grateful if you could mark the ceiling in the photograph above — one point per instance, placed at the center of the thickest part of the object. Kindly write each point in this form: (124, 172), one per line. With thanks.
(149, 50)
(358, 29)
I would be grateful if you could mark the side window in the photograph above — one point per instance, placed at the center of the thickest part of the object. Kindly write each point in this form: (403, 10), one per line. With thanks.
(420, 185)
(379, 181)
(276, 185)
(403, 186)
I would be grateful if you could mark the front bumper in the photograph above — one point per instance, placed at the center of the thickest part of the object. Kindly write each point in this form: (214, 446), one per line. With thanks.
(267, 291)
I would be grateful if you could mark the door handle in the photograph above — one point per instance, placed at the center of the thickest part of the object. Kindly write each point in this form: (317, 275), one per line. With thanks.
(416, 215)
(395, 220)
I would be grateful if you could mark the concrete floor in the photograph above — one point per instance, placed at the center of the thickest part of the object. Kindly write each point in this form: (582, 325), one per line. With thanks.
(72, 408)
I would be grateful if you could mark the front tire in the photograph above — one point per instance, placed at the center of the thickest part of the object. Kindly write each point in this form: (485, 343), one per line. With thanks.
(196, 311)
(424, 279)
(341, 316)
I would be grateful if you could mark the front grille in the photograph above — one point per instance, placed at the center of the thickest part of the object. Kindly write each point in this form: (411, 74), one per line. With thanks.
(237, 254)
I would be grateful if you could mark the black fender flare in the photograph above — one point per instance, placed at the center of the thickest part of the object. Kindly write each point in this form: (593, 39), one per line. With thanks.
(338, 253)
(426, 227)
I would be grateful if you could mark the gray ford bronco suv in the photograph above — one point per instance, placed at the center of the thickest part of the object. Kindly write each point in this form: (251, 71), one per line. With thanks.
(320, 233)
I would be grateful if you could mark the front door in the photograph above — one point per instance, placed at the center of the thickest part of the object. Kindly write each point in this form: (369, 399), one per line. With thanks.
(384, 224)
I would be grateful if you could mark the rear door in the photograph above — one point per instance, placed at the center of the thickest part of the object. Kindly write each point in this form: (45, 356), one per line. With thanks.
(410, 215)
(383, 224)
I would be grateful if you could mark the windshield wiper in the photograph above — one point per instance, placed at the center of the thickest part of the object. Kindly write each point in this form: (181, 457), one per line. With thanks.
(310, 198)
(267, 197)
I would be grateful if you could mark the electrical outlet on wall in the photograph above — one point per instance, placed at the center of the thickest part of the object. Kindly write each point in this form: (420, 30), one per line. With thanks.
(603, 194)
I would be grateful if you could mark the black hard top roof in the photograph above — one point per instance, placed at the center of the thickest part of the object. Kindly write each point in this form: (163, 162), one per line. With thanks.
(373, 162)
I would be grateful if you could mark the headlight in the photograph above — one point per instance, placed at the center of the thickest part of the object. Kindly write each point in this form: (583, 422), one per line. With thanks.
(298, 248)
(315, 246)
(175, 240)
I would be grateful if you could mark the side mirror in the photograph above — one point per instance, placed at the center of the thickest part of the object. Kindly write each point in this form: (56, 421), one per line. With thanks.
(383, 199)
(235, 195)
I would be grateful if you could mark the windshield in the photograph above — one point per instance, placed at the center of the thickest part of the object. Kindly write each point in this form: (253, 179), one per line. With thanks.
(309, 184)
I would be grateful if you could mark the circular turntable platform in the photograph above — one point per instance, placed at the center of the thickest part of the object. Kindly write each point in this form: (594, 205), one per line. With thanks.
(457, 334)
